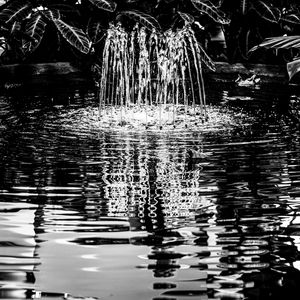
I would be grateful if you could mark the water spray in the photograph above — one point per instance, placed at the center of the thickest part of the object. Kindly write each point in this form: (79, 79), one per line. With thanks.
(149, 69)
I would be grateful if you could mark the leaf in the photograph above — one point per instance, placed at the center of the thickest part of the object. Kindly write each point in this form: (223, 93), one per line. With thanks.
(74, 36)
(51, 14)
(280, 42)
(35, 28)
(2, 49)
(265, 11)
(206, 7)
(293, 68)
(108, 5)
(17, 36)
(291, 18)
(142, 18)
(3, 46)
(94, 31)
(188, 19)
(17, 10)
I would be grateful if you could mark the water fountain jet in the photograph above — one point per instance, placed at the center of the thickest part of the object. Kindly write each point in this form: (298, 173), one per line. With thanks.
(152, 78)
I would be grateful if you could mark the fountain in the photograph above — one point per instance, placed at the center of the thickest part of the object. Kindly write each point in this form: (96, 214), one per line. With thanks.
(152, 78)
(152, 81)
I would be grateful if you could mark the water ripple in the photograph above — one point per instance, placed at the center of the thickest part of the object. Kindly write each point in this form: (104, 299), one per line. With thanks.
(208, 213)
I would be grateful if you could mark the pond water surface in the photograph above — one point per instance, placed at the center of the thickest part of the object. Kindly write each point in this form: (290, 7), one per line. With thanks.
(135, 215)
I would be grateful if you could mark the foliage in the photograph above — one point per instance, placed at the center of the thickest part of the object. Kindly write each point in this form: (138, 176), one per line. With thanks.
(30, 25)
(293, 68)
(33, 19)
(287, 43)
(280, 42)
(284, 43)
(66, 29)
(206, 7)
(254, 20)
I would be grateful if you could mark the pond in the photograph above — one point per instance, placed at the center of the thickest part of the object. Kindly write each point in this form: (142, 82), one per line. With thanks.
(108, 214)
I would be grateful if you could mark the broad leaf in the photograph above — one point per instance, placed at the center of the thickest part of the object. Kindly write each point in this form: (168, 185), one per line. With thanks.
(2, 49)
(17, 36)
(188, 19)
(3, 45)
(265, 11)
(281, 42)
(35, 28)
(293, 68)
(206, 7)
(74, 36)
(291, 19)
(17, 10)
(94, 31)
(142, 18)
(51, 14)
(108, 5)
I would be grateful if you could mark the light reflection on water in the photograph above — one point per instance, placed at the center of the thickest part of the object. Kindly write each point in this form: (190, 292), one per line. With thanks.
(138, 216)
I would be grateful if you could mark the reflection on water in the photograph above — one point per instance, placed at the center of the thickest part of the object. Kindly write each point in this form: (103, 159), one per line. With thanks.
(122, 215)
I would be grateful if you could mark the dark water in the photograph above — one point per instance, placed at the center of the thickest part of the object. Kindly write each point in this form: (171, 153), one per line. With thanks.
(116, 215)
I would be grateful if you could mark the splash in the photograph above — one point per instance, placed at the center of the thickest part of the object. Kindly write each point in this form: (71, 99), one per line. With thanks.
(86, 121)
(152, 71)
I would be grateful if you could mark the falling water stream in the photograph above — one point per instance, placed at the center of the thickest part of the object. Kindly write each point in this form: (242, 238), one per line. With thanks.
(154, 75)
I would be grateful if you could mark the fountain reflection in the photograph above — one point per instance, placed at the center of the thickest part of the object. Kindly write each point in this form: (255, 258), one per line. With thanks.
(211, 214)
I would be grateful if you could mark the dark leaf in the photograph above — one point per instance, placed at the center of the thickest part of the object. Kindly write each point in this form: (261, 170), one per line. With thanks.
(17, 10)
(293, 68)
(266, 11)
(291, 18)
(108, 5)
(3, 46)
(206, 7)
(51, 14)
(35, 28)
(281, 42)
(189, 19)
(17, 34)
(94, 31)
(74, 36)
(142, 18)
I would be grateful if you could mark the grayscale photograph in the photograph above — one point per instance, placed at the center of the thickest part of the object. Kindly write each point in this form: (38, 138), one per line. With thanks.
(150, 149)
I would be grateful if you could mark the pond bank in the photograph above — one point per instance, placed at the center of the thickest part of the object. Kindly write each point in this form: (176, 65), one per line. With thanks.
(43, 78)
(267, 73)
(46, 76)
